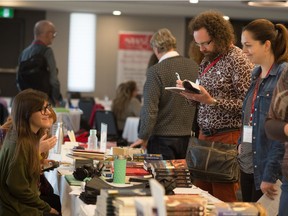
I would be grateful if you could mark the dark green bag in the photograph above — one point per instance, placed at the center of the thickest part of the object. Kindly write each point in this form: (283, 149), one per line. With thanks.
(212, 161)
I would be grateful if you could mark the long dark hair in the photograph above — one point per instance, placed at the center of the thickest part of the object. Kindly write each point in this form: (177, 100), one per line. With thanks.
(124, 94)
(24, 105)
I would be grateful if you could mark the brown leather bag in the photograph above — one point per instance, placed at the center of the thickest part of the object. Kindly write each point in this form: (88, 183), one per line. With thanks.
(212, 161)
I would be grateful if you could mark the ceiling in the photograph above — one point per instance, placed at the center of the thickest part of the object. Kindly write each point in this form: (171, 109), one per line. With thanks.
(233, 8)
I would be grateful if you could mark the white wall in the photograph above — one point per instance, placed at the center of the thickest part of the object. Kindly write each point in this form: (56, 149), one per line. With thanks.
(107, 44)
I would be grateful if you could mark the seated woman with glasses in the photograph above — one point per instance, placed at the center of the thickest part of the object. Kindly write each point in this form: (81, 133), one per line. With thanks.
(19, 156)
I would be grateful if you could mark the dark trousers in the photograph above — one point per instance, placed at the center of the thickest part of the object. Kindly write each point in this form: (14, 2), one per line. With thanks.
(249, 192)
(171, 147)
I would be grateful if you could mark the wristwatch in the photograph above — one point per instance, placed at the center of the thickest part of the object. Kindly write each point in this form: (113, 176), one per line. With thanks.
(215, 102)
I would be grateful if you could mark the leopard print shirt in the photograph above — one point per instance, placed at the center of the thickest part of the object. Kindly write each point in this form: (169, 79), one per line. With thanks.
(227, 81)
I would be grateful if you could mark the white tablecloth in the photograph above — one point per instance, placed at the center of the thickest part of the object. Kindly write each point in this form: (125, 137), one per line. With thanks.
(130, 131)
(72, 205)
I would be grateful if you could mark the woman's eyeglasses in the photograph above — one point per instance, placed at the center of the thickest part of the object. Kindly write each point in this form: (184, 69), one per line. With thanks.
(44, 109)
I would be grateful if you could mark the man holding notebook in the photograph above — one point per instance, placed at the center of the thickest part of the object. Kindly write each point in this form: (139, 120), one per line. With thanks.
(224, 78)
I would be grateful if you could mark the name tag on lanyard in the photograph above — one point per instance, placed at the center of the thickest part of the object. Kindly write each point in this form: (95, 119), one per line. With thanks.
(247, 133)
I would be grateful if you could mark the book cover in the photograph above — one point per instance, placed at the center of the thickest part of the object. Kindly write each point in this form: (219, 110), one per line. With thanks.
(169, 164)
(135, 171)
(238, 208)
(72, 181)
(188, 86)
(138, 164)
(142, 157)
(172, 171)
(125, 192)
(184, 203)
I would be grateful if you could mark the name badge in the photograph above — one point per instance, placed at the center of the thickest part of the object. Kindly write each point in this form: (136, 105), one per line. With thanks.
(247, 134)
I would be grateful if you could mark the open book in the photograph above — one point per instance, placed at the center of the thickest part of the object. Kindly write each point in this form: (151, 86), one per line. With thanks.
(188, 86)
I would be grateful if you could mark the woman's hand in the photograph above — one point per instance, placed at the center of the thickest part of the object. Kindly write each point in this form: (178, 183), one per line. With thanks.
(141, 142)
(46, 144)
(54, 211)
(269, 189)
(7, 124)
(204, 97)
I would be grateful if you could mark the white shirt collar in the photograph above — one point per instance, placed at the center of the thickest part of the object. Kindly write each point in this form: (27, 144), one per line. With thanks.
(169, 55)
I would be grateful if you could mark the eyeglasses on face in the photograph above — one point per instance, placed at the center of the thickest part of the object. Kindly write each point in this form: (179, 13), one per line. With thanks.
(54, 33)
(204, 44)
(43, 110)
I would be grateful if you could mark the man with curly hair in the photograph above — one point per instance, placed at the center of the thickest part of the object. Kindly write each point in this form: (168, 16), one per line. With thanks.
(224, 77)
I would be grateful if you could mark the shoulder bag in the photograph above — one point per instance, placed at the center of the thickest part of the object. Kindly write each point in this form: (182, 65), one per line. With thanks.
(212, 161)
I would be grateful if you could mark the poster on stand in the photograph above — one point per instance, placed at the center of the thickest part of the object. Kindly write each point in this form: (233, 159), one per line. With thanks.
(134, 52)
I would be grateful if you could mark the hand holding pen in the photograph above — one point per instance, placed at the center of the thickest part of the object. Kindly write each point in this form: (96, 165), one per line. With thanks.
(178, 81)
(178, 76)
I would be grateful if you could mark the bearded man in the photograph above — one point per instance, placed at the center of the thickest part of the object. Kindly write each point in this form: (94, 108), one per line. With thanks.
(224, 77)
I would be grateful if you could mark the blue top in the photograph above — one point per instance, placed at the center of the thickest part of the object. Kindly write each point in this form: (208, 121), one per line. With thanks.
(266, 154)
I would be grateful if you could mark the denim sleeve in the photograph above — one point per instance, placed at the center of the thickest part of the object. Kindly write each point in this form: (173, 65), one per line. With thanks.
(272, 169)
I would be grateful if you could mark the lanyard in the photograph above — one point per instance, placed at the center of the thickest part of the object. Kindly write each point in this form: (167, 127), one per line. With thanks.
(38, 42)
(211, 65)
(256, 90)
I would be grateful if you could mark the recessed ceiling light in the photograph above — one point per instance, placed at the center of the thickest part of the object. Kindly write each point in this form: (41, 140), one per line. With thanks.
(194, 1)
(268, 3)
(116, 13)
(226, 17)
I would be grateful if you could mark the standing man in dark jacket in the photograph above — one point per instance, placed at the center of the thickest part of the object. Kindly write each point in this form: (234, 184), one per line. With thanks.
(44, 34)
(166, 118)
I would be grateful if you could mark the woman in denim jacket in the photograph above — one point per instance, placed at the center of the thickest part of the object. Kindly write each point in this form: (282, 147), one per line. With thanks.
(265, 44)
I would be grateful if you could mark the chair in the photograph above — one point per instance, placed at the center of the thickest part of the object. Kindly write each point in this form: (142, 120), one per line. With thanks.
(92, 116)
(86, 104)
(3, 114)
(72, 95)
(107, 117)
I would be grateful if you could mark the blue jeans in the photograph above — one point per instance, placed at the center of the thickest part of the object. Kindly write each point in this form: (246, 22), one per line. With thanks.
(283, 210)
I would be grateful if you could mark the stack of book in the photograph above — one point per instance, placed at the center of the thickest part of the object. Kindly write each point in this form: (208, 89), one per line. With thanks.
(135, 168)
(142, 157)
(105, 205)
(174, 204)
(185, 205)
(176, 169)
(95, 155)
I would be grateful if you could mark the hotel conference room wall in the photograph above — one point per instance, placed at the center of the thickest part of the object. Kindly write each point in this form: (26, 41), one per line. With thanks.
(107, 44)
(108, 27)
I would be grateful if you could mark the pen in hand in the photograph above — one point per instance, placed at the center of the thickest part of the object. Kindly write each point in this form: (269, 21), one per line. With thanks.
(178, 76)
